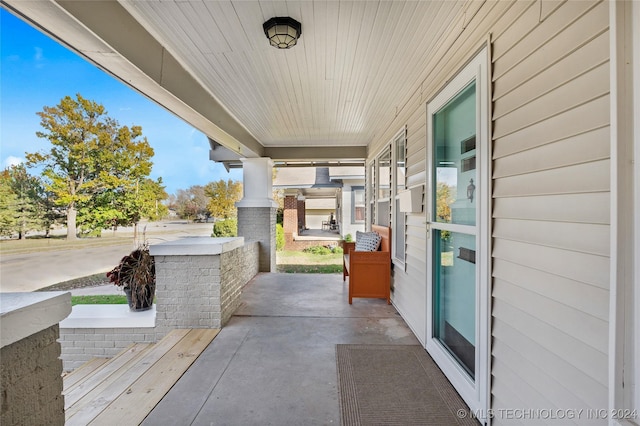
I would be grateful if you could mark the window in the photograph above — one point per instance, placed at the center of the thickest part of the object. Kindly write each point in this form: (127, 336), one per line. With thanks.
(372, 193)
(358, 204)
(383, 193)
(399, 147)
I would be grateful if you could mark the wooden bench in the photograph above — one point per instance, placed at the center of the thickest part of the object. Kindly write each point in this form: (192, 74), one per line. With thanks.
(369, 272)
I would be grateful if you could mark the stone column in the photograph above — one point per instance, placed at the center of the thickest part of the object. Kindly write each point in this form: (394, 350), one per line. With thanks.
(302, 211)
(290, 219)
(31, 369)
(257, 209)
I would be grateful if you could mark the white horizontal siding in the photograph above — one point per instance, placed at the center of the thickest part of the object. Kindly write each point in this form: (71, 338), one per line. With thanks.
(587, 177)
(409, 295)
(550, 195)
(581, 237)
(551, 187)
(577, 149)
(582, 208)
(592, 363)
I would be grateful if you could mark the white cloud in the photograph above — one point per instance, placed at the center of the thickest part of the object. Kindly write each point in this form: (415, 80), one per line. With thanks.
(38, 55)
(12, 161)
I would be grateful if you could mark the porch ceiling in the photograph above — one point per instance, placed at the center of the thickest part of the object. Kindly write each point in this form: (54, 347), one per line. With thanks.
(210, 63)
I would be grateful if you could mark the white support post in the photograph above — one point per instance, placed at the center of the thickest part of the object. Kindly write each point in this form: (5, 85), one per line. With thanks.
(257, 209)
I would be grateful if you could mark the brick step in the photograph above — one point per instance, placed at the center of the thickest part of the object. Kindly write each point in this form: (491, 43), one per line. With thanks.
(125, 389)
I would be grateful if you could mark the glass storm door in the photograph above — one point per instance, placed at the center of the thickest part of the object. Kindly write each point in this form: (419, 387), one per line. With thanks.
(454, 227)
(456, 313)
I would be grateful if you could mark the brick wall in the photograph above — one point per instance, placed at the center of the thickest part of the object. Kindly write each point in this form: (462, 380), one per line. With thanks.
(302, 213)
(79, 345)
(259, 224)
(187, 292)
(238, 267)
(290, 217)
(195, 291)
(31, 385)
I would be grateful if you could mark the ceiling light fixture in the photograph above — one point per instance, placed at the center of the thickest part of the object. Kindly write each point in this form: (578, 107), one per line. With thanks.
(282, 32)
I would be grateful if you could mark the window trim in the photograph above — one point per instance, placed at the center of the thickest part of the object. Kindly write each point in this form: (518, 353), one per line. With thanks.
(477, 393)
(377, 200)
(353, 204)
(624, 303)
(395, 213)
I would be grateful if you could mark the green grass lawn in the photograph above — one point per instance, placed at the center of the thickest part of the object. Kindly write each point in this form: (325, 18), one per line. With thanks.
(308, 263)
(111, 299)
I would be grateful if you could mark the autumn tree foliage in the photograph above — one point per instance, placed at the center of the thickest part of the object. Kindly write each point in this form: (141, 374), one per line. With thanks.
(190, 203)
(223, 196)
(96, 169)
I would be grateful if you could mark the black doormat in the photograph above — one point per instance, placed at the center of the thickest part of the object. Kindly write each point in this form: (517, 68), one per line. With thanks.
(395, 385)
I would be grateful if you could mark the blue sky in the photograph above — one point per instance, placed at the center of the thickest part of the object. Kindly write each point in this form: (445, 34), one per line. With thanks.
(36, 71)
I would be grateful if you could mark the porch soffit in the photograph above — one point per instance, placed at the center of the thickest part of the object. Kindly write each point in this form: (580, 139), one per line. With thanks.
(209, 63)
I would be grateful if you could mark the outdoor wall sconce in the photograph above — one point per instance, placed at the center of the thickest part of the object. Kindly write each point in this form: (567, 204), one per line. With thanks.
(471, 189)
(282, 32)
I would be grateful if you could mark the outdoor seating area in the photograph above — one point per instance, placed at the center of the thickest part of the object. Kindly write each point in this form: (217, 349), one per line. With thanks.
(369, 272)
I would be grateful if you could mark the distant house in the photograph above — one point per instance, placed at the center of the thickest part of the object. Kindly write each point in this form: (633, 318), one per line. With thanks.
(325, 199)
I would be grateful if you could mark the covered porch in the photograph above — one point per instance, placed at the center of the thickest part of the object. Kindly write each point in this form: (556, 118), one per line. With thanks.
(276, 362)
(535, 180)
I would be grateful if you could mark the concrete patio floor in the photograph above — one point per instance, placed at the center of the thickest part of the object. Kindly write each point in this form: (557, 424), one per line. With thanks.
(274, 363)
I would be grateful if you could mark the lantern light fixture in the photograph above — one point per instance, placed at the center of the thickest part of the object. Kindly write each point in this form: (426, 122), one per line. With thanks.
(282, 32)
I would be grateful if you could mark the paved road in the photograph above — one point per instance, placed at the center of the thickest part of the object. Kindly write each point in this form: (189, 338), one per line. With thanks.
(29, 272)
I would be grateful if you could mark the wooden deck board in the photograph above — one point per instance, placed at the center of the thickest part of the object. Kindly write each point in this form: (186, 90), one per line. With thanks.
(142, 396)
(131, 388)
(74, 393)
(83, 371)
(92, 404)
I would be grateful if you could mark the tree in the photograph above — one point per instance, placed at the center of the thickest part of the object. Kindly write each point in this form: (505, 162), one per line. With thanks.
(151, 195)
(445, 196)
(444, 199)
(8, 203)
(29, 202)
(223, 197)
(191, 203)
(93, 162)
(24, 204)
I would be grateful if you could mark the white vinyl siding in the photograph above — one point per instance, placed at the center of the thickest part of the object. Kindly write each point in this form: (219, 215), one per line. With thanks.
(551, 209)
(550, 191)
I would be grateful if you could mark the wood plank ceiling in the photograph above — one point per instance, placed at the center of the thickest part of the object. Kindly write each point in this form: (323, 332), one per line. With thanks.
(354, 66)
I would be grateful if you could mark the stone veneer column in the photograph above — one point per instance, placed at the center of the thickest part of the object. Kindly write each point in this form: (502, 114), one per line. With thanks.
(290, 218)
(31, 369)
(257, 209)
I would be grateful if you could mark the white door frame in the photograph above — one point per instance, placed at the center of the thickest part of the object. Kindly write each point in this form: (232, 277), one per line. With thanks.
(475, 393)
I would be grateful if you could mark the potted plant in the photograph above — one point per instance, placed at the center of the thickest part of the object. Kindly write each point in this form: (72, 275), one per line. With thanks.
(136, 274)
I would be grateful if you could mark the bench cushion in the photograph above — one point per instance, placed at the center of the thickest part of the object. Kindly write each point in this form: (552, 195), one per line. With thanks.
(367, 241)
